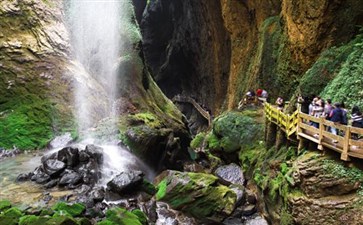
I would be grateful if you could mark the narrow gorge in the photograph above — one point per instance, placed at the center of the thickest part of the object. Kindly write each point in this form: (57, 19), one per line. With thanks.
(135, 112)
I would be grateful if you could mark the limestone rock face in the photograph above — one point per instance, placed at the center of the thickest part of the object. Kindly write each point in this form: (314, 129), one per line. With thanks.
(313, 26)
(34, 46)
(187, 48)
(329, 192)
(271, 44)
(38, 77)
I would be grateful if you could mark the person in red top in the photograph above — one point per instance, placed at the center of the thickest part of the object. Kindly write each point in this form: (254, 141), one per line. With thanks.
(259, 92)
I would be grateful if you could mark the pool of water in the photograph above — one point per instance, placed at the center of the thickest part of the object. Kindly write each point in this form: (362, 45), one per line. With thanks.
(24, 193)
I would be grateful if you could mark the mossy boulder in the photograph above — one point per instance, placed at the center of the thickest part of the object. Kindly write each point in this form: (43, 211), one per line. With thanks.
(120, 216)
(72, 209)
(4, 205)
(33, 220)
(61, 220)
(233, 131)
(10, 216)
(197, 194)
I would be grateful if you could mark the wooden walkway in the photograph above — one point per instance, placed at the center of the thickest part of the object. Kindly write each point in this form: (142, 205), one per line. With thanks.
(299, 124)
(203, 112)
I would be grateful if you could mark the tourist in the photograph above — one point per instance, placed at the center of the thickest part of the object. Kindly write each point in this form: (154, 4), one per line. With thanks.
(318, 111)
(264, 94)
(344, 114)
(336, 117)
(312, 104)
(259, 92)
(304, 104)
(280, 103)
(357, 120)
(327, 109)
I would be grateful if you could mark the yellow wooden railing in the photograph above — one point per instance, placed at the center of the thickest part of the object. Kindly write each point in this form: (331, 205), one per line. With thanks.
(288, 123)
(299, 123)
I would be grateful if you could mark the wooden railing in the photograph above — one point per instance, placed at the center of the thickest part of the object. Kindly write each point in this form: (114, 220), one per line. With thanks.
(204, 113)
(346, 142)
(288, 123)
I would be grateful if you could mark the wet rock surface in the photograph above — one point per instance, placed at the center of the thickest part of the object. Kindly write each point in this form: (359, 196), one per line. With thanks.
(125, 182)
(230, 174)
(66, 168)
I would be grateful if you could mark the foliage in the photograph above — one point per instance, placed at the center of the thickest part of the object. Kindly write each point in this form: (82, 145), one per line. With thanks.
(338, 170)
(348, 84)
(324, 69)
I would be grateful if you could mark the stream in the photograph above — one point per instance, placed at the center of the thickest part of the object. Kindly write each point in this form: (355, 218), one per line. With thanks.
(23, 193)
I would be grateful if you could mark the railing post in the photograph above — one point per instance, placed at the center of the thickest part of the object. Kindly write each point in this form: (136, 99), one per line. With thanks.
(344, 156)
(321, 129)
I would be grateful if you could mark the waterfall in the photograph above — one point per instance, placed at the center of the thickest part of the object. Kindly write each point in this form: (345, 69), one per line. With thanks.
(101, 37)
(97, 37)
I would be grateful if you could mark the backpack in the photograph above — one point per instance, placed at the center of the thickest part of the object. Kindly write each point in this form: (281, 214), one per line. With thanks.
(344, 118)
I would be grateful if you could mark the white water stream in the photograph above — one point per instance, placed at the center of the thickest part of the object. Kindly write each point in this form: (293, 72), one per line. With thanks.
(99, 37)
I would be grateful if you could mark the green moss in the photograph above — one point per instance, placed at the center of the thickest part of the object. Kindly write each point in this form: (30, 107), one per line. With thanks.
(84, 221)
(10, 216)
(338, 170)
(46, 212)
(106, 222)
(213, 141)
(141, 215)
(348, 84)
(285, 217)
(197, 194)
(198, 140)
(148, 187)
(61, 220)
(147, 118)
(121, 216)
(234, 130)
(74, 210)
(160, 194)
(32, 220)
(4, 205)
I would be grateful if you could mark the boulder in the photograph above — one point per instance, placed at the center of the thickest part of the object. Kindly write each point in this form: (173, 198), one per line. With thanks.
(83, 157)
(39, 176)
(258, 220)
(97, 194)
(24, 177)
(51, 183)
(230, 174)
(95, 152)
(69, 155)
(61, 141)
(53, 167)
(197, 194)
(70, 177)
(126, 181)
(248, 210)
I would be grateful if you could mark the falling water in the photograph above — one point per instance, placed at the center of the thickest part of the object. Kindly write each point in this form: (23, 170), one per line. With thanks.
(100, 37)
(97, 28)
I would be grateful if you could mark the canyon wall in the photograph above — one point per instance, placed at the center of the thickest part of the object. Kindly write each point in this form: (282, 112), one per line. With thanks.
(217, 50)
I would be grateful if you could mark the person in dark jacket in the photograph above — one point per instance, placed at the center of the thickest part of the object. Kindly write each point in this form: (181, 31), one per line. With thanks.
(357, 120)
(336, 116)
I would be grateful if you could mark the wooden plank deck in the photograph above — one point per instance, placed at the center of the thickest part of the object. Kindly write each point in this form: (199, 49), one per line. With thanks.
(299, 124)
